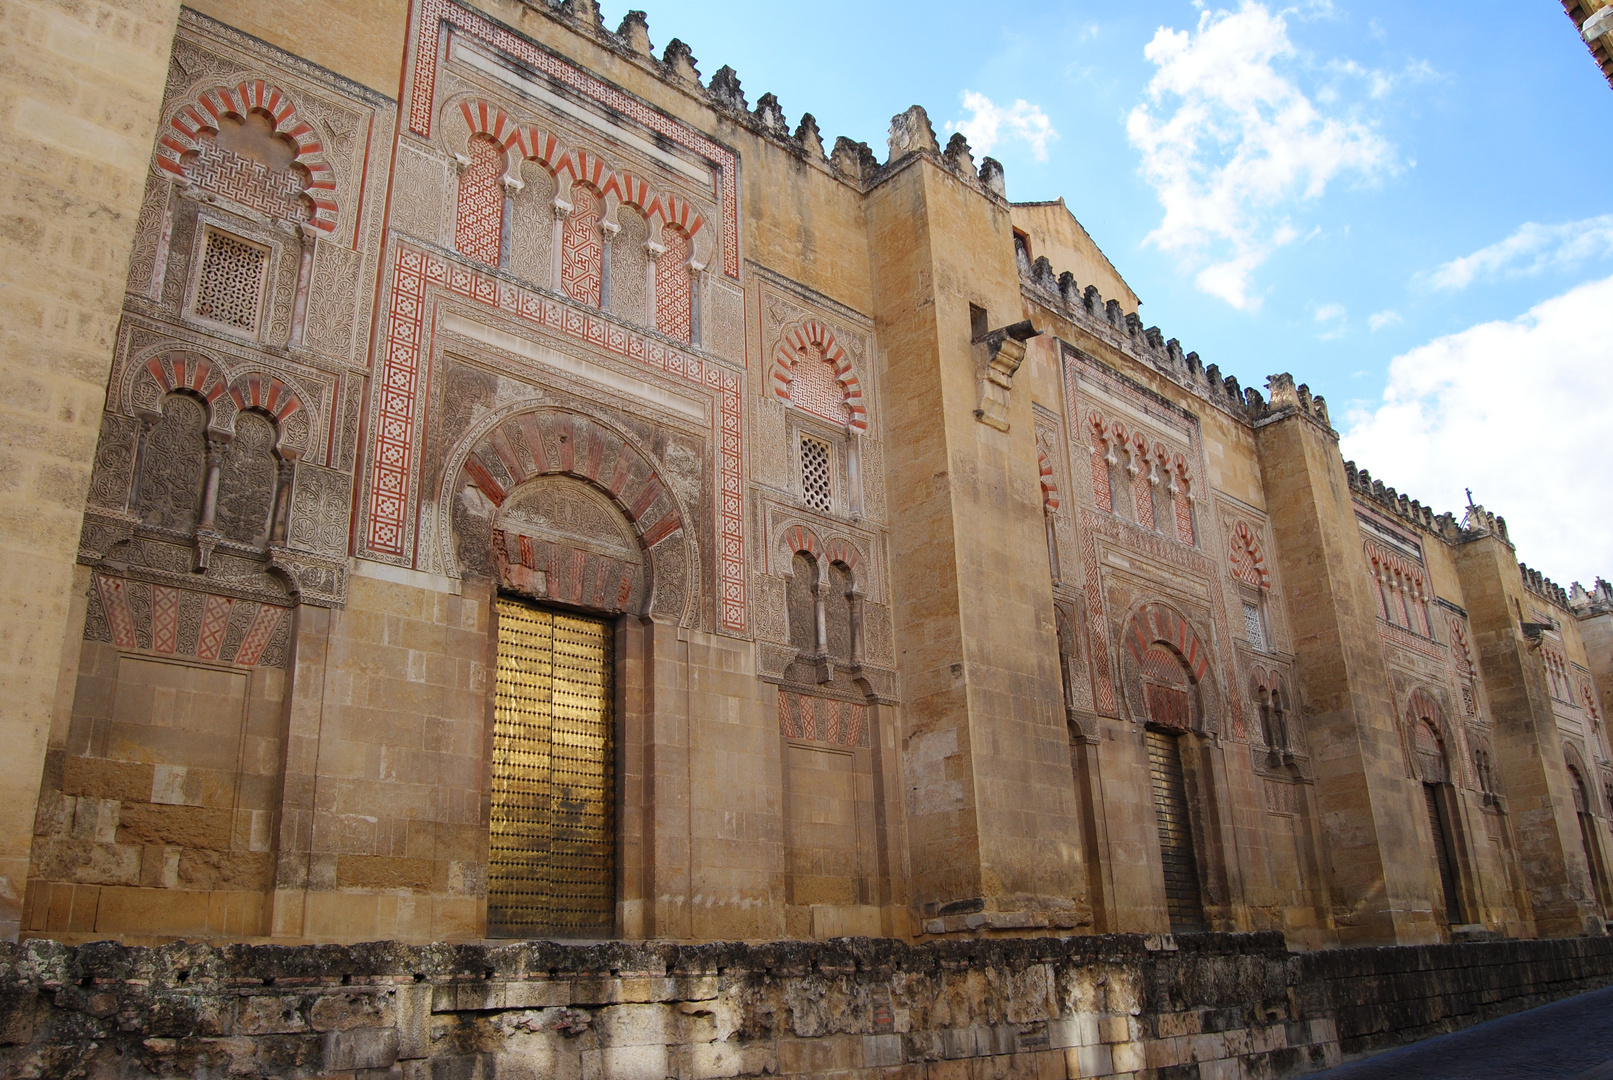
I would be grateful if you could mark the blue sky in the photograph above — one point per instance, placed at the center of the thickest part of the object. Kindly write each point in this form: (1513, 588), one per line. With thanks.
(1407, 206)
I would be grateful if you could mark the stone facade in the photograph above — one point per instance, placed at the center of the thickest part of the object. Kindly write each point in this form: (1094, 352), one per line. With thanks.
(943, 599)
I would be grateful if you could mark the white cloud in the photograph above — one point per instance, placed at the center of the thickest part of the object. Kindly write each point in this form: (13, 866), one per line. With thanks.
(1533, 249)
(1379, 83)
(1382, 319)
(1331, 316)
(1520, 412)
(1232, 146)
(992, 124)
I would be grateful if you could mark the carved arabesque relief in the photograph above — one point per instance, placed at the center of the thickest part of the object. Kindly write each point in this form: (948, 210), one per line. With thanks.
(320, 506)
(630, 268)
(332, 299)
(247, 481)
(175, 459)
(114, 462)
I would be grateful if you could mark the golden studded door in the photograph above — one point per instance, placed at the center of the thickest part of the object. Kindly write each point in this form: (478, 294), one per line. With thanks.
(552, 851)
(1182, 897)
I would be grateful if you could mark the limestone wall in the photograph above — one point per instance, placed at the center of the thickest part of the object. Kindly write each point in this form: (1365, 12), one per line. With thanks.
(78, 112)
(900, 599)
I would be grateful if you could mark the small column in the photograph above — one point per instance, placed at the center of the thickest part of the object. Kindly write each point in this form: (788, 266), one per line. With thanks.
(305, 277)
(858, 645)
(820, 616)
(280, 523)
(512, 185)
(608, 231)
(562, 208)
(206, 535)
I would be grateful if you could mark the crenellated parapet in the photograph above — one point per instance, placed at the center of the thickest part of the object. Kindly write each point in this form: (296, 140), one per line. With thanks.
(1106, 320)
(1477, 522)
(849, 160)
(1410, 510)
(1598, 600)
(1545, 588)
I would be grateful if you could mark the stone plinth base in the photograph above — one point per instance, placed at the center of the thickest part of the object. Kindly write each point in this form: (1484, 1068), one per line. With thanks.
(1210, 1005)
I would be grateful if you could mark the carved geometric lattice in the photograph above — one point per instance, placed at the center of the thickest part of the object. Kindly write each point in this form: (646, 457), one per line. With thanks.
(1254, 629)
(275, 192)
(815, 389)
(674, 314)
(479, 221)
(231, 287)
(815, 487)
(582, 250)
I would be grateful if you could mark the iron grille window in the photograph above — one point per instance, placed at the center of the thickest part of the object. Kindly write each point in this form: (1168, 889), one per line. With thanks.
(230, 287)
(815, 487)
(1254, 628)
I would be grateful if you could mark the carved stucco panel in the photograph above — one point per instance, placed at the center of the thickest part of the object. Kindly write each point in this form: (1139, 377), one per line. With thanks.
(321, 506)
(333, 300)
(422, 195)
(723, 331)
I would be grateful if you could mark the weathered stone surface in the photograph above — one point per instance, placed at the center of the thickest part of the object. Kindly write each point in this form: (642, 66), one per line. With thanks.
(1089, 1006)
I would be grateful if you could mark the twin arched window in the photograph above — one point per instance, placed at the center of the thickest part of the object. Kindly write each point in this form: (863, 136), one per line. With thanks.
(209, 484)
(824, 605)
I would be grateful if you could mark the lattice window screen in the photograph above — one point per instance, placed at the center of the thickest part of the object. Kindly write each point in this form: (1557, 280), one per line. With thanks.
(1254, 629)
(230, 288)
(815, 488)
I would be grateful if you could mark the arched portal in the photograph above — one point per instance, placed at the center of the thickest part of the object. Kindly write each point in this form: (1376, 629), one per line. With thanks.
(576, 528)
(1585, 811)
(1434, 770)
(1165, 668)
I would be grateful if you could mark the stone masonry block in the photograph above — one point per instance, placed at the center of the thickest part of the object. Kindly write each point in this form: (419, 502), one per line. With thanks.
(414, 1021)
(710, 1060)
(1114, 1029)
(633, 1025)
(882, 1050)
(638, 1062)
(361, 1048)
(535, 994)
(1225, 1069)
(1129, 1057)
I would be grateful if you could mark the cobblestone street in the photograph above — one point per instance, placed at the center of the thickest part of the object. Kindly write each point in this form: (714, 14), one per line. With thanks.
(1567, 1040)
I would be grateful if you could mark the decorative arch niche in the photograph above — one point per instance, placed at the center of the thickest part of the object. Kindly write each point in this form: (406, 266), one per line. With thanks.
(1165, 671)
(559, 507)
(813, 372)
(1245, 557)
(587, 195)
(824, 592)
(1428, 740)
(215, 454)
(208, 121)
